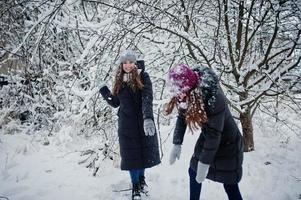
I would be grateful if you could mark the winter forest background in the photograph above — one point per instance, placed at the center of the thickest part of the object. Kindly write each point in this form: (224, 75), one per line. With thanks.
(53, 122)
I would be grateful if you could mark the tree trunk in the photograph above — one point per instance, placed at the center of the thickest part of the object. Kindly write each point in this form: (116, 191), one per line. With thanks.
(247, 130)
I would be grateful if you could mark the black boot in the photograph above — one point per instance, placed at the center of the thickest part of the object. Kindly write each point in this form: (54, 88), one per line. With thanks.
(143, 185)
(136, 192)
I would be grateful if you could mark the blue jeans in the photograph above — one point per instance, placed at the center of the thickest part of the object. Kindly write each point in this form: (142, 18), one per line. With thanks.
(195, 188)
(135, 173)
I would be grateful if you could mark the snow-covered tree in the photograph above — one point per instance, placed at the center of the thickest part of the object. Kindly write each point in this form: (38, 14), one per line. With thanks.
(67, 47)
(251, 44)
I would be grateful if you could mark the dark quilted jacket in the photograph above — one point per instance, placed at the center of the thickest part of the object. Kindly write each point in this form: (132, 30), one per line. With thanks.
(220, 142)
(136, 150)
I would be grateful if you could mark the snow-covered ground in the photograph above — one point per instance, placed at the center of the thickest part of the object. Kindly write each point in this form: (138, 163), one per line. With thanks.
(32, 171)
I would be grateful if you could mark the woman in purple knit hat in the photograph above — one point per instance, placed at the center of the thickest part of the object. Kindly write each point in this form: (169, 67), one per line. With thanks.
(202, 106)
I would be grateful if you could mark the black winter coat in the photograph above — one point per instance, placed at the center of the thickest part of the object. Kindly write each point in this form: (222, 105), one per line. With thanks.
(220, 143)
(137, 151)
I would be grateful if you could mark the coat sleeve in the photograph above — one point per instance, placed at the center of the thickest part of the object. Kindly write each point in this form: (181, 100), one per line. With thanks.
(212, 131)
(180, 129)
(147, 97)
(111, 99)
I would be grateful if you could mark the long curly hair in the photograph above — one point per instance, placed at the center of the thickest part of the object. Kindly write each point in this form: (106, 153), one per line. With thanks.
(195, 115)
(134, 82)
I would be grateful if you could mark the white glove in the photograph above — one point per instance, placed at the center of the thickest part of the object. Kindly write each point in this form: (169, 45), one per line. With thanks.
(175, 153)
(149, 127)
(202, 172)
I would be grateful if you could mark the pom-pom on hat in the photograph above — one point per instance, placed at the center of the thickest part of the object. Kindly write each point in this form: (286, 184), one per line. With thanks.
(181, 79)
(127, 55)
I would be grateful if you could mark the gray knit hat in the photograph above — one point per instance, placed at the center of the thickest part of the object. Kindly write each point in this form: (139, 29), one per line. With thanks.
(127, 55)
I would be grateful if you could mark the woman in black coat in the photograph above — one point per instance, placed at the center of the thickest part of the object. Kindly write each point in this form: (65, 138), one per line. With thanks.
(132, 93)
(218, 153)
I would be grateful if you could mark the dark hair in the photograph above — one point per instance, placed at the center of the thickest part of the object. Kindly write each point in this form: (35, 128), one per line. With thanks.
(195, 115)
(135, 81)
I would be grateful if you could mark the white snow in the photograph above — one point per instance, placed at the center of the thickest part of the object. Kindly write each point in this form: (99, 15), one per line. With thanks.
(31, 171)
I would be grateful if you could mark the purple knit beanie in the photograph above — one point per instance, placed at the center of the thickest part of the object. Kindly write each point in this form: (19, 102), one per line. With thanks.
(182, 79)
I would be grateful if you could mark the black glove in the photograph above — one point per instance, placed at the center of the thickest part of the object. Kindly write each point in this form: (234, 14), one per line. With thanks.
(104, 91)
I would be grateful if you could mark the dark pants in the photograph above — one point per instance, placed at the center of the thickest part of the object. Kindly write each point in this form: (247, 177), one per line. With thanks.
(195, 188)
(135, 173)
